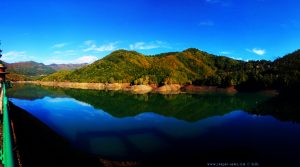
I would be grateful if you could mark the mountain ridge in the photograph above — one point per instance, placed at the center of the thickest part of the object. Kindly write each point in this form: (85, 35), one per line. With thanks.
(58, 67)
(189, 67)
(28, 70)
(140, 67)
(165, 68)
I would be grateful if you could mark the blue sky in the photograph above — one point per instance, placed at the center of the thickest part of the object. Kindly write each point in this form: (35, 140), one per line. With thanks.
(76, 31)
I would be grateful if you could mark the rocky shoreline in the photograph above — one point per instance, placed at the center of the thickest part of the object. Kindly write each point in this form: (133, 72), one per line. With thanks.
(138, 89)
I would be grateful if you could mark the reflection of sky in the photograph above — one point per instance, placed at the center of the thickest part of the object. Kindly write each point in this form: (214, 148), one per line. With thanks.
(100, 133)
(69, 116)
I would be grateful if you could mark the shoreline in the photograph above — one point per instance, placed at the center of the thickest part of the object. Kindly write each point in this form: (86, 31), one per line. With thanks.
(140, 89)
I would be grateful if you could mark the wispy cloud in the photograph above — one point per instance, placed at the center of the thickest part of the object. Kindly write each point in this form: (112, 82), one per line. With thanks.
(59, 45)
(16, 56)
(148, 46)
(225, 52)
(257, 51)
(89, 42)
(143, 46)
(236, 58)
(14, 53)
(206, 23)
(91, 46)
(84, 59)
(65, 52)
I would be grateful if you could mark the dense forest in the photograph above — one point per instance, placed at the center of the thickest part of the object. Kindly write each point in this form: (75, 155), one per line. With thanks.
(190, 66)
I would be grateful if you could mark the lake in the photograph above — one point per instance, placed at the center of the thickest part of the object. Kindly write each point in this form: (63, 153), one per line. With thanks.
(205, 127)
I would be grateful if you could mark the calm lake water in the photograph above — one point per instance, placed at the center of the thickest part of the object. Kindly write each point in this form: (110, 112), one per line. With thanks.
(212, 127)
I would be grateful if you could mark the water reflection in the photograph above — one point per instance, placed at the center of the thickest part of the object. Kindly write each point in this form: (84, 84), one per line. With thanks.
(120, 125)
(285, 107)
(186, 107)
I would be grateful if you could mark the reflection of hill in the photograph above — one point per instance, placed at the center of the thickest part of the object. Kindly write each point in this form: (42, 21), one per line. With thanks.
(181, 106)
(32, 92)
(123, 104)
(285, 107)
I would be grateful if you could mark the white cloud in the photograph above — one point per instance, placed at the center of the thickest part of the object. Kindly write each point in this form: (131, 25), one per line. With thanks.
(16, 56)
(225, 53)
(65, 52)
(84, 59)
(91, 46)
(59, 45)
(89, 42)
(147, 46)
(143, 46)
(206, 23)
(257, 51)
(236, 58)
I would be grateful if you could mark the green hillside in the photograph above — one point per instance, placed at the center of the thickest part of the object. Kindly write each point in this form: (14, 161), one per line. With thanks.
(190, 66)
(184, 67)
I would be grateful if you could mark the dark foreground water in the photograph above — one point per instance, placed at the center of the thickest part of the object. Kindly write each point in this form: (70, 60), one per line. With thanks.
(245, 129)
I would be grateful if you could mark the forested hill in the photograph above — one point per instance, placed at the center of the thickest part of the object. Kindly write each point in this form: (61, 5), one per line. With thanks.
(29, 68)
(190, 66)
(129, 66)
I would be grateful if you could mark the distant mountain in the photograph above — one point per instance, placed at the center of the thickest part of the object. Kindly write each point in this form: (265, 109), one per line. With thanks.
(190, 66)
(29, 68)
(32, 70)
(59, 67)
